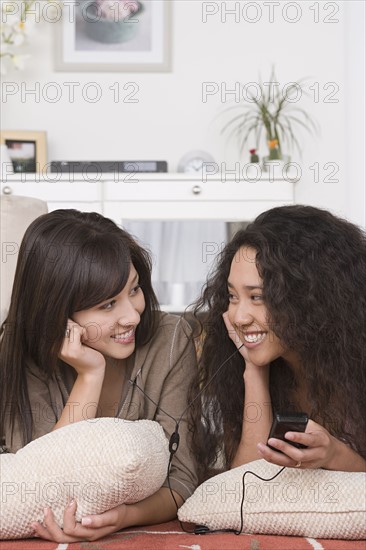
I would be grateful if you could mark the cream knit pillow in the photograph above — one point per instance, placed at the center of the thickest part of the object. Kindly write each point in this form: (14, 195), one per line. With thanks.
(309, 503)
(101, 463)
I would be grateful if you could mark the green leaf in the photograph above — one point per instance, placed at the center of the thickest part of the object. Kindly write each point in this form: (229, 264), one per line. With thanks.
(273, 113)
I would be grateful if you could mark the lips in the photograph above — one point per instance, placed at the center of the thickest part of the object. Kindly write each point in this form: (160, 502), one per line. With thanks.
(125, 337)
(254, 337)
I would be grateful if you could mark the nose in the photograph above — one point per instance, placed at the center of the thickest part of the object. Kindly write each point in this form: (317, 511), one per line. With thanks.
(128, 316)
(241, 315)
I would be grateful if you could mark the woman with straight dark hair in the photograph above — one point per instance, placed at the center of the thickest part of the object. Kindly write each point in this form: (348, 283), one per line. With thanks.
(83, 322)
(289, 292)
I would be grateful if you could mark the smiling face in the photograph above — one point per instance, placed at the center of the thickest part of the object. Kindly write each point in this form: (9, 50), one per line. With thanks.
(247, 311)
(111, 325)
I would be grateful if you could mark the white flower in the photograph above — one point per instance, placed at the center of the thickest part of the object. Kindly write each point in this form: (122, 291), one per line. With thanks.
(5, 30)
(15, 25)
(18, 39)
(19, 61)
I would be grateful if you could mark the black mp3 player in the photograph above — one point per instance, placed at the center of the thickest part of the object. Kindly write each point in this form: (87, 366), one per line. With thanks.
(288, 422)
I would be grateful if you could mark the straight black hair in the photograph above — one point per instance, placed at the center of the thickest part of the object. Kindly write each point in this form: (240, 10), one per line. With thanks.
(68, 261)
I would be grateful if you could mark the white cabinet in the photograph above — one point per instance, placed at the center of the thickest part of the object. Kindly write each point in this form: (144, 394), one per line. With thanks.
(159, 197)
(155, 196)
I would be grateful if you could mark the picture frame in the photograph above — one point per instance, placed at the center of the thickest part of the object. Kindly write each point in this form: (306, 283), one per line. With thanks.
(87, 41)
(27, 149)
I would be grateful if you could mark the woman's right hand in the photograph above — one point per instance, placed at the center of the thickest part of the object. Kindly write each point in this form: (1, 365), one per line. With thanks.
(89, 364)
(257, 415)
(84, 359)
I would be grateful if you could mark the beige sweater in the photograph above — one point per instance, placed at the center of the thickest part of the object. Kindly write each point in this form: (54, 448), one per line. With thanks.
(163, 368)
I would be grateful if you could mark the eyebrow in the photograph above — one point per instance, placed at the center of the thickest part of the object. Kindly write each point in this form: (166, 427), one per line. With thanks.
(135, 278)
(248, 287)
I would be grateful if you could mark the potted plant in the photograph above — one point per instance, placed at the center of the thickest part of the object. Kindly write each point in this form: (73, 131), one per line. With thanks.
(269, 114)
(111, 21)
(254, 158)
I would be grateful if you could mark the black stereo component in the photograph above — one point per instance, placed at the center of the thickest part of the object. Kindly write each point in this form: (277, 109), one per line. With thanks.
(108, 166)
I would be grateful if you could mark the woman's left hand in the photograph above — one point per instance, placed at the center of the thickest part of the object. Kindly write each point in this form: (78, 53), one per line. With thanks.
(100, 525)
(321, 448)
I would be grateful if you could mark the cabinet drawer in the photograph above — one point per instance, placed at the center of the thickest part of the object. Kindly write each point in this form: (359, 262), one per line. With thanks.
(84, 196)
(64, 192)
(229, 211)
(197, 191)
(193, 200)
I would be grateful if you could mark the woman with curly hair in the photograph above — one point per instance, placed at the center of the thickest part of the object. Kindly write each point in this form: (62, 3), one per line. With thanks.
(289, 292)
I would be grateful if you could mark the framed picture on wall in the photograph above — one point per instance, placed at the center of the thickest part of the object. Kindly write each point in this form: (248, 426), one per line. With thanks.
(115, 35)
(27, 150)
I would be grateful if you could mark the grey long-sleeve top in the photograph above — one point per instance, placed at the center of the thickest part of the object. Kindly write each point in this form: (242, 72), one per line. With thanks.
(163, 368)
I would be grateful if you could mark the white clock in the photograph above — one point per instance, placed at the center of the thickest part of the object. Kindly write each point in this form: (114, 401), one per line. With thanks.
(193, 161)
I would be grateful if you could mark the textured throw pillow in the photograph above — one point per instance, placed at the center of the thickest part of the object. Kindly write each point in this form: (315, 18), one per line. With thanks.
(100, 463)
(309, 503)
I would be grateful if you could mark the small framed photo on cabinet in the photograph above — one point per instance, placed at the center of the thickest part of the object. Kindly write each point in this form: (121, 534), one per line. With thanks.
(27, 150)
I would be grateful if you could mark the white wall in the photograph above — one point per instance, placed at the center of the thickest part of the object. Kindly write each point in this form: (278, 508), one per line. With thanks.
(355, 190)
(171, 118)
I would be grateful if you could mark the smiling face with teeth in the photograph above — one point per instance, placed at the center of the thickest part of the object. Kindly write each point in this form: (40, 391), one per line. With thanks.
(247, 310)
(111, 325)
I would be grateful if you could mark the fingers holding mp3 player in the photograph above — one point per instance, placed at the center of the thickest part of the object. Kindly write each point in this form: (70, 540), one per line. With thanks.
(290, 422)
(296, 442)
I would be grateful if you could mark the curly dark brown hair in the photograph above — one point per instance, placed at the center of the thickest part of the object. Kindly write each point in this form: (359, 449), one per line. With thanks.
(313, 266)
